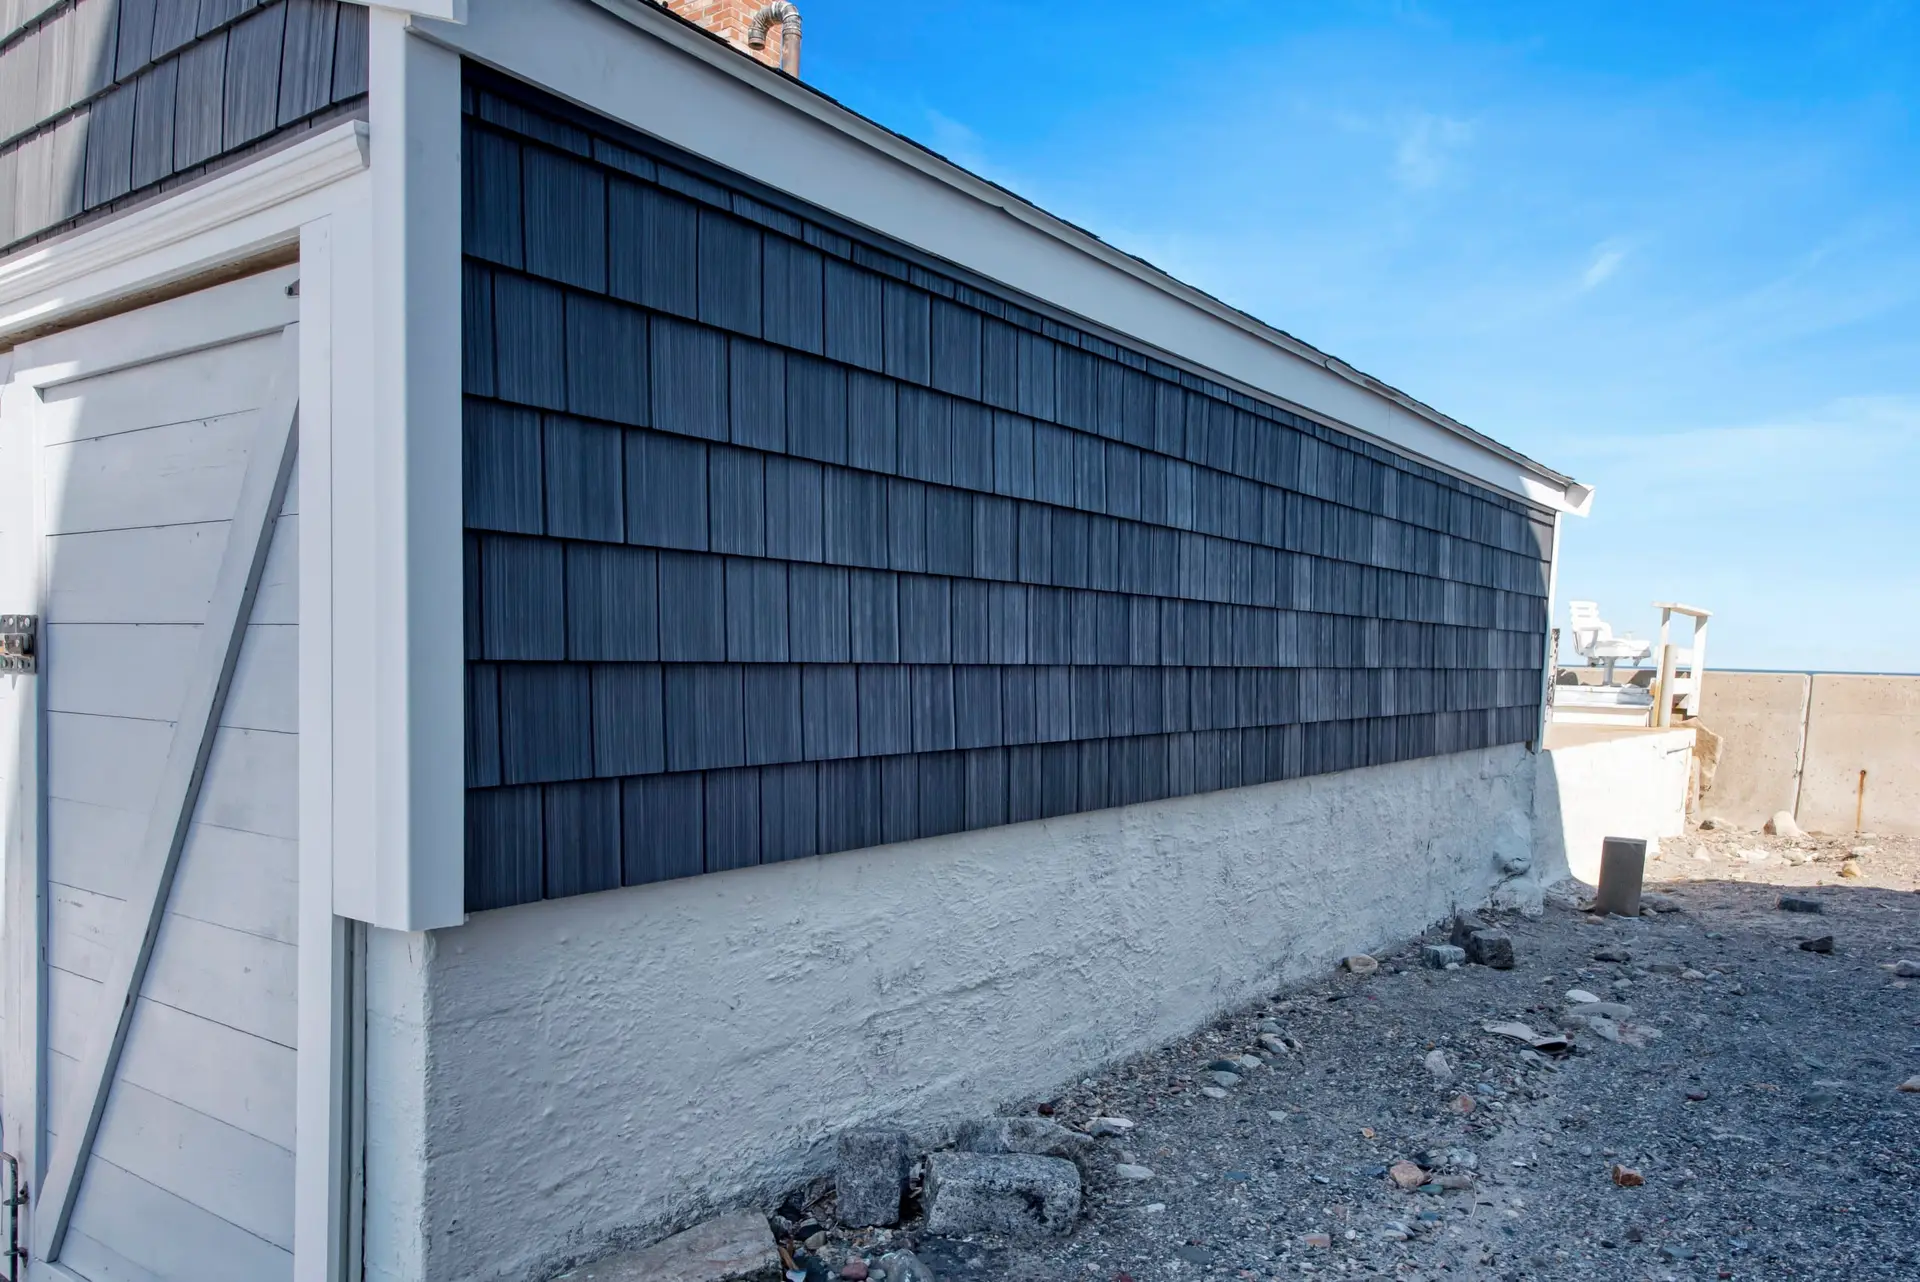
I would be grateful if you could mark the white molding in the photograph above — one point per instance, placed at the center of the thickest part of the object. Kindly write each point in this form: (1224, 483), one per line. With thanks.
(632, 61)
(449, 10)
(158, 244)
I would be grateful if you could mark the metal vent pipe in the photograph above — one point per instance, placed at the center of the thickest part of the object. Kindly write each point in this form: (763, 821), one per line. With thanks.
(788, 17)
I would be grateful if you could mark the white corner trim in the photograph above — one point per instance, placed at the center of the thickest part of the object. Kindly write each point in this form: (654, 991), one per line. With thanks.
(1544, 484)
(96, 263)
(445, 10)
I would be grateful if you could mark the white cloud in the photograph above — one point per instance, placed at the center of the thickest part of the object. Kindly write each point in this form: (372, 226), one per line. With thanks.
(1606, 261)
(1427, 145)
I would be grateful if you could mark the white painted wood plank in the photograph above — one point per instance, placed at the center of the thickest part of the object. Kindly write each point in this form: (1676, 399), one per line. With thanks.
(80, 930)
(227, 379)
(236, 1176)
(266, 682)
(91, 846)
(119, 669)
(279, 599)
(98, 1263)
(171, 1237)
(107, 761)
(242, 1080)
(252, 783)
(71, 1002)
(243, 880)
(180, 474)
(153, 575)
(246, 982)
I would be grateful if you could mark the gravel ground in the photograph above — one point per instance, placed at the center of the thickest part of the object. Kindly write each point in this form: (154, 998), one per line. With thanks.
(1761, 1110)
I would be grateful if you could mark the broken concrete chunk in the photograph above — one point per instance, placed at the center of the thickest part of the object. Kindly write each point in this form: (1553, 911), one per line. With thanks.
(1016, 1195)
(1035, 1135)
(1491, 948)
(869, 1171)
(1360, 964)
(733, 1248)
(1441, 956)
(1782, 825)
(1464, 924)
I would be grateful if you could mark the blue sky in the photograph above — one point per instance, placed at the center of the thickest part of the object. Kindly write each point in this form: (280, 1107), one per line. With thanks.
(1672, 250)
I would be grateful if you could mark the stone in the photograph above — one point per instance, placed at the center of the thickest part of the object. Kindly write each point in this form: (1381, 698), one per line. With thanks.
(1360, 964)
(1850, 868)
(870, 1169)
(1652, 902)
(1461, 1104)
(904, 1266)
(1252, 1061)
(1911, 1086)
(1464, 924)
(1016, 1195)
(1712, 823)
(733, 1248)
(1823, 944)
(1213, 1092)
(1194, 1254)
(1035, 1135)
(1618, 956)
(1438, 1067)
(1441, 956)
(1692, 975)
(1665, 967)
(1321, 1240)
(1907, 969)
(1131, 1171)
(1109, 1125)
(1626, 1177)
(1492, 948)
(1275, 1043)
(854, 1270)
(1782, 825)
(1580, 996)
(1406, 1175)
(1220, 1077)
(1454, 1183)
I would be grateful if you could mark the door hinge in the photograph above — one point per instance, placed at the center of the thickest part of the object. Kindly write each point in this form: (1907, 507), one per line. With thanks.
(19, 637)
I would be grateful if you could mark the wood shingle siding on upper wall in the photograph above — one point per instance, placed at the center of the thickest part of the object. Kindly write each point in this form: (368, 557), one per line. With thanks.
(103, 102)
(799, 542)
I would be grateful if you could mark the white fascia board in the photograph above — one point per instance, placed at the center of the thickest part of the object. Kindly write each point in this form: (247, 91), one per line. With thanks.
(446, 10)
(631, 61)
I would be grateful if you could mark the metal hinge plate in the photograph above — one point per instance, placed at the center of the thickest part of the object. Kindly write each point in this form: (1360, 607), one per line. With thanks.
(19, 637)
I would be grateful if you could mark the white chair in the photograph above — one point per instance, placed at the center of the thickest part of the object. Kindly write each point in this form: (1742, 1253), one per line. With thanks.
(1593, 639)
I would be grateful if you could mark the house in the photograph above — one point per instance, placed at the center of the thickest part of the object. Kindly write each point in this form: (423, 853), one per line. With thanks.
(591, 618)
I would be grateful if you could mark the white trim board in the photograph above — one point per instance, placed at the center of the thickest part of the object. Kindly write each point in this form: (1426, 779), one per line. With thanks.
(634, 63)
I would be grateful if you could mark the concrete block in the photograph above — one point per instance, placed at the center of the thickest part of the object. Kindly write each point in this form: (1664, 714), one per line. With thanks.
(1492, 948)
(1015, 1195)
(1759, 717)
(733, 1248)
(1862, 770)
(869, 1171)
(1035, 1135)
(1441, 956)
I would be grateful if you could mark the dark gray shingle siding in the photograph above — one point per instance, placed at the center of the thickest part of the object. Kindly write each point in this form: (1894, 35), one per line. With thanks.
(811, 546)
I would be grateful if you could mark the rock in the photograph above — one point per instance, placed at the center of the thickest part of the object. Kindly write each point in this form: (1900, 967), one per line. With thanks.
(1321, 1240)
(1109, 1126)
(1213, 1092)
(1035, 1135)
(1438, 1066)
(1455, 1182)
(1464, 924)
(905, 1266)
(870, 1169)
(1911, 1086)
(1130, 1171)
(1907, 969)
(855, 1270)
(1252, 1061)
(1461, 1104)
(1626, 1177)
(1017, 1195)
(1824, 944)
(1782, 825)
(1712, 823)
(1193, 1254)
(1665, 967)
(1597, 1010)
(1851, 868)
(1492, 948)
(1406, 1175)
(1220, 1077)
(723, 1250)
(1692, 975)
(1360, 964)
(1653, 902)
(1580, 996)
(1441, 956)
(1618, 956)
(1697, 1095)
(1275, 1043)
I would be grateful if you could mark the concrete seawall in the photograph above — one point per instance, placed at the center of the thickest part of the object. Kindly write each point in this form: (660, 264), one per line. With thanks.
(1841, 751)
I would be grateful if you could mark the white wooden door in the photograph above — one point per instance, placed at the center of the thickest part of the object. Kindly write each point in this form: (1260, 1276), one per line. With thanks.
(162, 447)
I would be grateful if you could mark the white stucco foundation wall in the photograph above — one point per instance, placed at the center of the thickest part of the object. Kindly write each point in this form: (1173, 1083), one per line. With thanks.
(1595, 783)
(603, 1068)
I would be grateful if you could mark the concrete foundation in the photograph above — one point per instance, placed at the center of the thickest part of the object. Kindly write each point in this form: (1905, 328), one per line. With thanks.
(1759, 717)
(607, 1068)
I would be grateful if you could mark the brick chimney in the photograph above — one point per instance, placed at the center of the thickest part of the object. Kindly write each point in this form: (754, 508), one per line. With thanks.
(734, 21)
